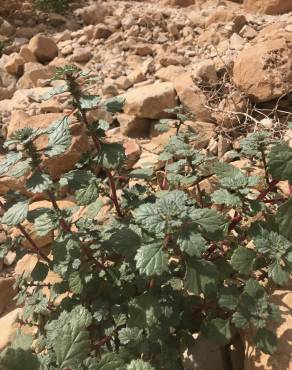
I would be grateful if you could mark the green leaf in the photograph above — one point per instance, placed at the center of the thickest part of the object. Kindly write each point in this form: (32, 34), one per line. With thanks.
(70, 337)
(88, 102)
(18, 359)
(243, 260)
(87, 195)
(45, 223)
(110, 361)
(284, 219)
(40, 271)
(10, 160)
(208, 219)
(229, 297)
(241, 319)
(149, 218)
(76, 179)
(217, 331)
(38, 182)
(16, 214)
(139, 365)
(201, 277)
(280, 162)
(75, 282)
(114, 105)
(151, 260)
(55, 91)
(266, 341)
(163, 125)
(111, 156)
(223, 196)
(142, 173)
(59, 137)
(279, 275)
(93, 209)
(20, 169)
(191, 243)
(130, 335)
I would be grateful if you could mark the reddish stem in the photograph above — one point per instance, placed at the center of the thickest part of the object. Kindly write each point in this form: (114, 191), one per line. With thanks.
(64, 225)
(34, 246)
(265, 192)
(114, 193)
(235, 221)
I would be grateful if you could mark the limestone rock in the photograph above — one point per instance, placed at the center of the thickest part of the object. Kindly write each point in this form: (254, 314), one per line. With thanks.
(44, 48)
(92, 14)
(7, 292)
(268, 6)
(8, 328)
(34, 74)
(15, 64)
(150, 101)
(132, 126)
(264, 71)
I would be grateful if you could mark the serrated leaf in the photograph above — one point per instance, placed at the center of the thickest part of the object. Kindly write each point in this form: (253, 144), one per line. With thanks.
(280, 162)
(139, 365)
(223, 196)
(284, 219)
(110, 361)
(151, 260)
(45, 224)
(192, 243)
(279, 275)
(16, 214)
(111, 156)
(75, 282)
(142, 173)
(229, 297)
(208, 219)
(76, 179)
(55, 91)
(243, 260)
(217, 331)
(201, 277)
(38, 182)
(19, 359)
(240, 319)
(87, 195)
(93, 208)
(10, 160)
(88, 102)
(266, 341)
(130, 335)
(20, 169)
(59, 137)
(149, 218)
(114, 105)
(40, 271)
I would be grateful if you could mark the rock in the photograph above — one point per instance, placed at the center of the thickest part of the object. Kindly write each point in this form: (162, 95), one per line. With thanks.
(132, 126)
(192, 97)
(92, 14)
(205, 71)
(102, 32)
(271, 72)
(132, 152)
(34, 74)
(236, 42)
(182, 3)
(268, 6)
(82, 55)
(6, 28)
(281, 359)
(9, 259)
(44, 48)
(142, 49)
(170, 73)
(150, 101)
(7, 292)
(173, 59)
(15, 64)
(27, 54)
(60, 164)
(8, 327)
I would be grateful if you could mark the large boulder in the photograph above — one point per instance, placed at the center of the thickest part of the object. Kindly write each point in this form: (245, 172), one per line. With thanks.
(268, 6)
(59, 164)
(7, 292)
(281, 359)
(92, 14)
(44, 48)
(150, 101)
(264, 70)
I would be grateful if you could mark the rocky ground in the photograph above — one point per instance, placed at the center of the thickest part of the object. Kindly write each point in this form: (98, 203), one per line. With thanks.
(229, 64)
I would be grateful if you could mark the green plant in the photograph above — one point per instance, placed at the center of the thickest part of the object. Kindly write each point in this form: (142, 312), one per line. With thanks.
(58, 6)
(173, 261)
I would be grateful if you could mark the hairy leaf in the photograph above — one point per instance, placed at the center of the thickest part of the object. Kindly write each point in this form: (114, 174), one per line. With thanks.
(151, 260)
(243, 260)
(15, 214)
(59, 137)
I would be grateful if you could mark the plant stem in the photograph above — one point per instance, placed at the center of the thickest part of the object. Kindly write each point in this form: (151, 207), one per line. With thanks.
(114, 193)
(265, 192)
(265, 166)
(63, 223)
(34, 246)
(226, 358)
